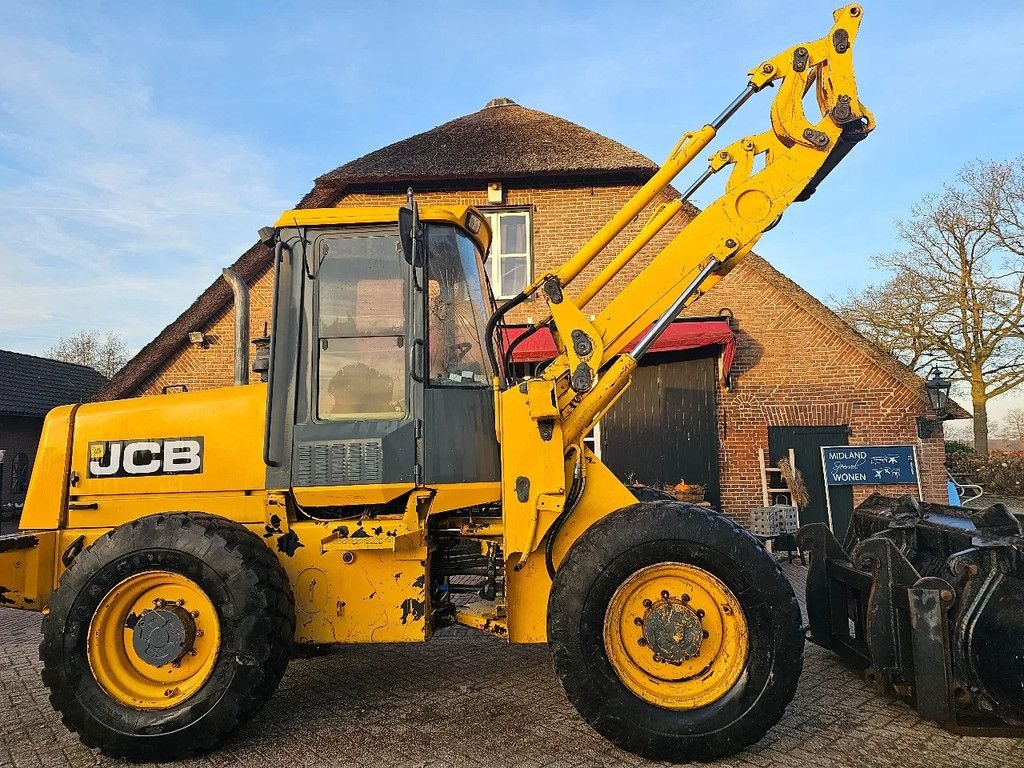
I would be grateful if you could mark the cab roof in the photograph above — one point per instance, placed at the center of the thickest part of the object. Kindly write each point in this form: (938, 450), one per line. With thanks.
(466, 217)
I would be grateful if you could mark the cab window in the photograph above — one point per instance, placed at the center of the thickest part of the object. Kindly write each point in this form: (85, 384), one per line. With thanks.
(458, 304)
(361, 310)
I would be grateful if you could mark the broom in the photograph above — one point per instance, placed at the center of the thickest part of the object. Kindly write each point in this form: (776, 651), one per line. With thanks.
(795, 483)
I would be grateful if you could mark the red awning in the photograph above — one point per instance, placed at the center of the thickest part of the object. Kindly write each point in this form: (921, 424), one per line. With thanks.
(682, 334)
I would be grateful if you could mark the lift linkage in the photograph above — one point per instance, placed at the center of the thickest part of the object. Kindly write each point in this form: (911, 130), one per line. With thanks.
(591, 369)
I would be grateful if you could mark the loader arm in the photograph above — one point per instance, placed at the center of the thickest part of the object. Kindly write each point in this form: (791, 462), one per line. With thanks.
(591, 369)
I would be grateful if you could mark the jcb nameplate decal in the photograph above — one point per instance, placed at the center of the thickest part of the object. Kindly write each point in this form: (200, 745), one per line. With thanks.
(145, 458)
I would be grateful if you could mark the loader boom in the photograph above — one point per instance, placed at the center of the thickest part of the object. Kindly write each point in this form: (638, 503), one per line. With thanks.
(591, 370)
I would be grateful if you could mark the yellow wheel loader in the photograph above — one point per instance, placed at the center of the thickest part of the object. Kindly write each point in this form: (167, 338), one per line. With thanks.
(392, 475)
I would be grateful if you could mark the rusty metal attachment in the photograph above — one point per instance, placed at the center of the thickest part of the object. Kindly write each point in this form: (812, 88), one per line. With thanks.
(928, 600)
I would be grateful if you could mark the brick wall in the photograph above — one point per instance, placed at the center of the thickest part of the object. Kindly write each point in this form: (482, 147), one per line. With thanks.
(792, 369)
(563, 220)
(18, 434)
(211, 364)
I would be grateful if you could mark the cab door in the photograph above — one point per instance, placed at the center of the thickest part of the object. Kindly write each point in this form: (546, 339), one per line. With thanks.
(357, 412)
(459, 443)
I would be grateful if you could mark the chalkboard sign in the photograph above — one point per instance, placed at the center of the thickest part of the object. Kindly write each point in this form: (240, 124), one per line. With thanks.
(869, 465)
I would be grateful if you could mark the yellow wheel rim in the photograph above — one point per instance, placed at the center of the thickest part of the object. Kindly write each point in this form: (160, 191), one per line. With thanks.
(153, 640)
(676, 636)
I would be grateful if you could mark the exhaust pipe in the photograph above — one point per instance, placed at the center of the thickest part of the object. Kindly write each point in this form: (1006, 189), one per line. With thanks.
(241, 291)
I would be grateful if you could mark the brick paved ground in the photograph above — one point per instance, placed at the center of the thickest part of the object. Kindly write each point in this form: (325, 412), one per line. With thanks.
(469, 700)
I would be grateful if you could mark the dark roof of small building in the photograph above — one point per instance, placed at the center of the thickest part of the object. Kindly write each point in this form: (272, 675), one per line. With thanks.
(31, 386)
(502, 141)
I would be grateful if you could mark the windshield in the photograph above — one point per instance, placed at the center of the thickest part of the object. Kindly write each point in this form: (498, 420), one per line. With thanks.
(458, 305)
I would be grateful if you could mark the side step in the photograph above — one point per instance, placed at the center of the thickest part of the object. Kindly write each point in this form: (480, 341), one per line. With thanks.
(484, 615)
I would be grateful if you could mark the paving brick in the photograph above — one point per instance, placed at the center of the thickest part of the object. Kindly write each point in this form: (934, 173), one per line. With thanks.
(467, 700)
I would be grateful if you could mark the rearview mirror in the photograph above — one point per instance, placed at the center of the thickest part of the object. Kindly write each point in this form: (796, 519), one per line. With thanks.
(410, 231)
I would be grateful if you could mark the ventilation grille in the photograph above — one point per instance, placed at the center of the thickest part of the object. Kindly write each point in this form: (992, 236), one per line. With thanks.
(340, 463)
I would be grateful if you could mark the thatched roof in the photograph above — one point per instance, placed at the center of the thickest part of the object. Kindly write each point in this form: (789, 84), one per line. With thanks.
(501, 141)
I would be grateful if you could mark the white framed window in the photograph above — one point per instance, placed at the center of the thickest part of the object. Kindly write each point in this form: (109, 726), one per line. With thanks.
(510, 263)
(593, 440)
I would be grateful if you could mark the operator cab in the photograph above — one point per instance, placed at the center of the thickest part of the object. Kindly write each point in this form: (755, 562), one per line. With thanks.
(379, 371)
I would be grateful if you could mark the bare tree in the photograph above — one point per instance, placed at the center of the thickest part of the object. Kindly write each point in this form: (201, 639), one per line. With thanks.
(892, 315)
(955, 297)
(1013, 425)
(105, 353)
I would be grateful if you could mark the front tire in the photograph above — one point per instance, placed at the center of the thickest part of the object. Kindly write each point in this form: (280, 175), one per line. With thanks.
(674, 633)
(167, 634)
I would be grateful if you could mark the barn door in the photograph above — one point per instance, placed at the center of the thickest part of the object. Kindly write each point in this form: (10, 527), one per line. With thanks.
(665, 427)
(807, 443)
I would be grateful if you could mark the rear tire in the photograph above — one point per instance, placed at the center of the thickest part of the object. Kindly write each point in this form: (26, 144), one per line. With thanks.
(245, 604)
(699, 723)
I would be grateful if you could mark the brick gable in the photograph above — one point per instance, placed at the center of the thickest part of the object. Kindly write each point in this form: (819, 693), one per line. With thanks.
(796, 366)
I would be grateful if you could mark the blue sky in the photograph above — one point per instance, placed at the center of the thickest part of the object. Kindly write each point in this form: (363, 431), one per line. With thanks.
(142, 145)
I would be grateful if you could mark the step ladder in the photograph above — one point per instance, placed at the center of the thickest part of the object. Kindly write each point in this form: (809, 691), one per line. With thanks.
(773, 485)
(774, 490)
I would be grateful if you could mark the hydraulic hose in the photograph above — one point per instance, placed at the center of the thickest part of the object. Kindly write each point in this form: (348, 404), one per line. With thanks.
(579, 483)
(492, 324)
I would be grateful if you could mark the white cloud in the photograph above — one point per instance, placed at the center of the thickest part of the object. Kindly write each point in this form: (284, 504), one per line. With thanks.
(114, 216)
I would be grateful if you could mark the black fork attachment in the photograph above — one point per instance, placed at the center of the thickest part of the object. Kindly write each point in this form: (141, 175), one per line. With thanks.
(928, 600)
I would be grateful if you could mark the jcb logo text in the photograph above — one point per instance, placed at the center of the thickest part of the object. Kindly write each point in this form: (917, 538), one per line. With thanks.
(135, 458)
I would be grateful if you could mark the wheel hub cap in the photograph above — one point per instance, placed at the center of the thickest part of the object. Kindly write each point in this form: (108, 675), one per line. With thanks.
(673, 631)
(164, 635)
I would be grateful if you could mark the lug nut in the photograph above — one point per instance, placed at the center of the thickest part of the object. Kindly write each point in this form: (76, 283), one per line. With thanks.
(664, 594)
(700, 613)
(641, 642)
(194, 614)
(686, 598)
(648, 603)
(638, 621)
(706, 634)
(170, 692)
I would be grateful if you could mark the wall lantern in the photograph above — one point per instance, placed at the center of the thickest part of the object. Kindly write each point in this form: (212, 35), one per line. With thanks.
(936, 389)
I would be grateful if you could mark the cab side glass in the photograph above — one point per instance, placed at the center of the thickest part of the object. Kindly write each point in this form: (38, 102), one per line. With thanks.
(361, 360)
